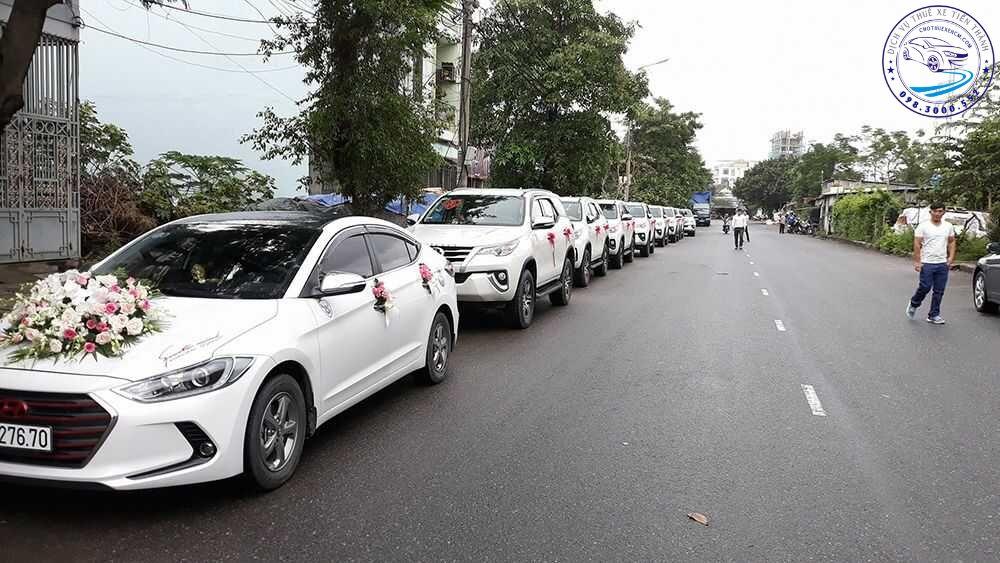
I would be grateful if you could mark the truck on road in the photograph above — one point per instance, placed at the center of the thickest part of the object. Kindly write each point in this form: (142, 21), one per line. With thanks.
(701, 204)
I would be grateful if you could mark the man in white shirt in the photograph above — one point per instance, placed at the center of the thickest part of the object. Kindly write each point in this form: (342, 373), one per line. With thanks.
(933, 255)
(740, 221)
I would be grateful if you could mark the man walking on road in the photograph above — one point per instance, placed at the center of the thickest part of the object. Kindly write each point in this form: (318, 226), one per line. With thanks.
(933, 255)
(739, 225)
(781, 223)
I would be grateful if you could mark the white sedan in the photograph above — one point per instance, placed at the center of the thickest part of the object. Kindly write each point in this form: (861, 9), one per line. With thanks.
(272, 327)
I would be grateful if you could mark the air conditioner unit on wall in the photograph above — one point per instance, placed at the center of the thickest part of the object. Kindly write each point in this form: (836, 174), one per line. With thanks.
(446, 73)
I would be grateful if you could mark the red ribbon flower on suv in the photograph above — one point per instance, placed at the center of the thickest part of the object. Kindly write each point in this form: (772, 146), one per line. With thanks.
(552, 239)
(568, 233)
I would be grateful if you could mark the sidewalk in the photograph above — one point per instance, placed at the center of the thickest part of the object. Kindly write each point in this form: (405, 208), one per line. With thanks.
(969, 267)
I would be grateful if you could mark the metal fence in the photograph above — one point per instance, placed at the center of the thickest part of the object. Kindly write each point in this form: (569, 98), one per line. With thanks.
(40, 160)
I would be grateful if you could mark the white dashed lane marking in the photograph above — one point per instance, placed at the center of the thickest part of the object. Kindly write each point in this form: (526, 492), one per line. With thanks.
(813, 399)
(779, 325)
(756, 274)
(764, 292)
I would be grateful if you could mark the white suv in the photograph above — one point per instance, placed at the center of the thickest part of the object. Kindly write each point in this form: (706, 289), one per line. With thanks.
(675, 224)
(690, 226)
(659, 221)
(590, 237)
(643, 231)
(619, 232)
(507, 246)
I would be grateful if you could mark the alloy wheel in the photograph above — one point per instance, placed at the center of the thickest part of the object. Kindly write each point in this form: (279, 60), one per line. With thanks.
(527, 299)
(278, 431)
(979, 291)
(440, 350)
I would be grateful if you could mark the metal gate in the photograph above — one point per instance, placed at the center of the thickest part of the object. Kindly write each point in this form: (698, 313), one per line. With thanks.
(39, 161)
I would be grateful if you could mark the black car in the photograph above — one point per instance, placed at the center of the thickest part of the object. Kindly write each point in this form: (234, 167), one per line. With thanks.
(986, 281)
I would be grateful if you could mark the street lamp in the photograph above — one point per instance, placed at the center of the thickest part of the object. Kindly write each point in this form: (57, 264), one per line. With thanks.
(628, 139)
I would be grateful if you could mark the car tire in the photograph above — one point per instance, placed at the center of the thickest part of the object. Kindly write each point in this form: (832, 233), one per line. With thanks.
(618, 260)
(643, 251)
(439, 345)
(651, 250)
(630, 256)
(278, 402)
(561, 296)
(694, 232)
(602, 270)
(979, 300)
(582, 275)
(659, 242)
(521, 310)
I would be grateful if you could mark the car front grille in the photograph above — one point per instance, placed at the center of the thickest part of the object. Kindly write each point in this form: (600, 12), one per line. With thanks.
(454, 253)
(79, 425)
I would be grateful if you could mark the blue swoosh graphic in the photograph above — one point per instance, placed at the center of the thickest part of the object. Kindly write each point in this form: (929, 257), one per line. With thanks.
(941, 89)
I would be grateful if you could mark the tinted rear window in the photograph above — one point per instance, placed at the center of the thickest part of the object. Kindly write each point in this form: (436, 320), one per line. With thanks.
(574, 210)
(610, 210)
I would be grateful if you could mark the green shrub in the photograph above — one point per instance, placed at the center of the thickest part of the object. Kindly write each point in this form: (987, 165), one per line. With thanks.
(898, 244)
(970, 249)
(865, 217)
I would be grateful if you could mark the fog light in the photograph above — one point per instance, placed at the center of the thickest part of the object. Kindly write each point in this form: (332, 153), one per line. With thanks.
(502, 277)
(206, 449)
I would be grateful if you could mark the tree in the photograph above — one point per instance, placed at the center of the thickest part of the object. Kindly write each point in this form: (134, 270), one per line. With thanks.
(178, 185)
(21, 35)
(768, 185)
(666, 165)
(547, 74)
(362, 131)
(822, 162)
(109, 182)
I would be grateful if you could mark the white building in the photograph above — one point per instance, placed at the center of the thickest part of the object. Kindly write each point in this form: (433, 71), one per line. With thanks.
(726, 172)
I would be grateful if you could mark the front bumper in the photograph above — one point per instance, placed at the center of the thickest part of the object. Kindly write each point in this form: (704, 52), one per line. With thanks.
(149, 444)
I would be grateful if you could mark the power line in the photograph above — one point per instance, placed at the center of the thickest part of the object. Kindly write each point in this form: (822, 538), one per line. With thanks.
(256, 9)
(207, 14)
(178, 49)
(232, 60)
(168, 18)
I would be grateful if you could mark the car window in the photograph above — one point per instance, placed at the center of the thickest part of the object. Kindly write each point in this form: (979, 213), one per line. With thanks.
(574, 209)
(350, 256)
(636, 210)
(215, 260)
(594, 214)
(548, 210)
(610, 210)
(413, 248)
(390, 251)
(656, 212)
(475, 209)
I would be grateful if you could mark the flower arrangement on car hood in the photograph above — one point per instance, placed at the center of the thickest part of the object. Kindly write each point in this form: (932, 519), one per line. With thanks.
(74, 314)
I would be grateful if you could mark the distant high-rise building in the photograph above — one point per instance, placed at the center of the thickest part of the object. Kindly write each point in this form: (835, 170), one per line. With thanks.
(787, 143)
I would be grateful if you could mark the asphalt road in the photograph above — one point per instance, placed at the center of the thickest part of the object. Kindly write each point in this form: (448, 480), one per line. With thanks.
(661, 390)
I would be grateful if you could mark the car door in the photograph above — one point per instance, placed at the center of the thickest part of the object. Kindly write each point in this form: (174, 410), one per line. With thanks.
(563, 230)
(993, 277)
(351, 331)
(598, 227)
(544, 245)
(409, 319)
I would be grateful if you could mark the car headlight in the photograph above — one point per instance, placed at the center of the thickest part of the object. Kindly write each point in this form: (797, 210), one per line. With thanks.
(950, 54)
(504, 249)
(194, 380)
(613, 228)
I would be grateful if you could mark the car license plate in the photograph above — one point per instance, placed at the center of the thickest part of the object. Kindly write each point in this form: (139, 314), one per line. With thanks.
(25, 437)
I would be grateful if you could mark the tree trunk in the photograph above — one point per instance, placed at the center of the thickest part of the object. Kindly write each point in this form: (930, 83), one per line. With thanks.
(17, 47)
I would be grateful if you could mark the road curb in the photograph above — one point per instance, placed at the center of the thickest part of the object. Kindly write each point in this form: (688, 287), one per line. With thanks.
(968, 267)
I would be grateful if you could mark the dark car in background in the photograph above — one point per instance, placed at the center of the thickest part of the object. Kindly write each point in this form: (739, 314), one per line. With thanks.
(986, 281)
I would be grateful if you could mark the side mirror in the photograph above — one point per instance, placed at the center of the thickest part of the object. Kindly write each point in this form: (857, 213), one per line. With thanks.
(412, 218)
(626, 217)
(341, 283)
(993, 248)
(542, 223)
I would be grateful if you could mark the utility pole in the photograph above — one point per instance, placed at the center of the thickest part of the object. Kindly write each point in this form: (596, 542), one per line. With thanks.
(465, 93)
(628, 161)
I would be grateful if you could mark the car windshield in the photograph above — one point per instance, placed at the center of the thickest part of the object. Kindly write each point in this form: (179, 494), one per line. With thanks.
(216, 260)
(610, 210)
(475, 209)
(687, 213)
(656, 212)
(574, 210)
(636, 210)
(668, 212)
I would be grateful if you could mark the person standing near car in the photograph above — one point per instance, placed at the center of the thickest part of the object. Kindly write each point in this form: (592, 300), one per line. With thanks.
(781, 224)
(739, 226)
(933, 255)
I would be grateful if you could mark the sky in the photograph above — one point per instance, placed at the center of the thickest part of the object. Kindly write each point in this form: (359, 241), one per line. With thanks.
(749, 69)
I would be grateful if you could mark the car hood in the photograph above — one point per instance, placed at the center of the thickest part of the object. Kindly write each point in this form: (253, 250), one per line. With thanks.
(464, 235)
(192, 330)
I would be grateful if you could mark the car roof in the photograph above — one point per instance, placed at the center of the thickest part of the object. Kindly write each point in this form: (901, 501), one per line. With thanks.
(499, 191)
(298, 219)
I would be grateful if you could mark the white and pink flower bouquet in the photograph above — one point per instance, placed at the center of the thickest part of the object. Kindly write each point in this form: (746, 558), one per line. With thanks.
(75, 315)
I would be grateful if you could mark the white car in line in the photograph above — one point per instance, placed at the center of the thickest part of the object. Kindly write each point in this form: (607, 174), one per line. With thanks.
(659, 222)
(271, 330)
(675, 228)
(643, 230)
(620, 227)
(689, 222)
(590, 238)
(508, 247)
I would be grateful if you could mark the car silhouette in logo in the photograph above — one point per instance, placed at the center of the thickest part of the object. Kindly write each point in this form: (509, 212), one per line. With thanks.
(935, 54)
